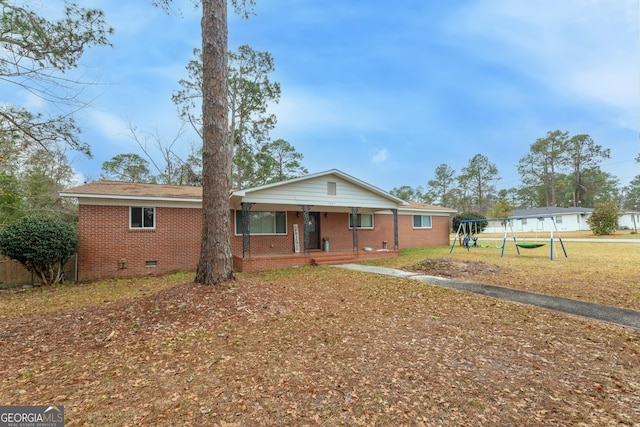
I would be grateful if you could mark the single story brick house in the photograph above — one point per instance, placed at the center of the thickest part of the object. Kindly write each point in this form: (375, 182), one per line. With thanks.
(133, 229)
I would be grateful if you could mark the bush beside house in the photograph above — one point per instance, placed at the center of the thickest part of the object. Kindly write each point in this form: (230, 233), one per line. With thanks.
(604, 219)
(42, 244)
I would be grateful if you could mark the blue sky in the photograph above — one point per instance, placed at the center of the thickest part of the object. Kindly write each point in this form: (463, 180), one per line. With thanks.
(387, 91)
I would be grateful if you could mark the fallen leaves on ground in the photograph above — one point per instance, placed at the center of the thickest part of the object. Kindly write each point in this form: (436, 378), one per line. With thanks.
(321, 346)
(604, 273)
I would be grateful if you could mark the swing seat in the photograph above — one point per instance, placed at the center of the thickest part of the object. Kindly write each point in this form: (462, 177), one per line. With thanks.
(529, 245)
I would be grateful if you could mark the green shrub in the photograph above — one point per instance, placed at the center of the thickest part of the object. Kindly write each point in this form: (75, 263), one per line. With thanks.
(42, 244)
(604, 219)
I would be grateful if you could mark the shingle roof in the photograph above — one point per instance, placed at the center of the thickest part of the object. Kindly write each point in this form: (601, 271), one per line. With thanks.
(551, 210)
(426, 206)
(128, 190)
(115, 189)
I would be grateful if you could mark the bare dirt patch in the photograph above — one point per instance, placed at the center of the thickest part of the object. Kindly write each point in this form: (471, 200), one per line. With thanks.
(455, 268)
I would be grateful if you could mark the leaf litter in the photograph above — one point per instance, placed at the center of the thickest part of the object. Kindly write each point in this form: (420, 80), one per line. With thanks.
(320, 346)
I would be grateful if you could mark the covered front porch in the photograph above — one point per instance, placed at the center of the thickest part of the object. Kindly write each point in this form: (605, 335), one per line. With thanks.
(293, 223)
(275, 261)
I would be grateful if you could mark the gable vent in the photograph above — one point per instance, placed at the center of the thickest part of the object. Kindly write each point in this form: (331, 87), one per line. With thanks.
(331, 188)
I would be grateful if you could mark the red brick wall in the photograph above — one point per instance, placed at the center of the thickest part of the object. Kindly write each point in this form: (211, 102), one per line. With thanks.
(261, 263)
(335, 226)
(437, 235)
(105, 239)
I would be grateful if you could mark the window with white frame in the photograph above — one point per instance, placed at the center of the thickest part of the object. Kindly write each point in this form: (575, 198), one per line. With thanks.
(140, 217)
(422, 221)
(263, 222)
(363, 221)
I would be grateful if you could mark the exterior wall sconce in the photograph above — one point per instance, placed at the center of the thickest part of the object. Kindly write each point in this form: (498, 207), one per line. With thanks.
(122, 264)
(326, 214)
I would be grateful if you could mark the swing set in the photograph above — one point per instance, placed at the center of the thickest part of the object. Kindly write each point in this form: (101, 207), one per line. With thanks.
(469, 229)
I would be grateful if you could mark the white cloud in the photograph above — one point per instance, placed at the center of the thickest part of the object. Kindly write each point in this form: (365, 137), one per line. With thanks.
(78, 178)
(111, 127)
(587, 50)
(34, 102)
(380, 156)
(610, 83)
(304, 110)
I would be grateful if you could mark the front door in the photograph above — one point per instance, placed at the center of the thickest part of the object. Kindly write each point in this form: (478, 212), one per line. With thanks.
(314, 230)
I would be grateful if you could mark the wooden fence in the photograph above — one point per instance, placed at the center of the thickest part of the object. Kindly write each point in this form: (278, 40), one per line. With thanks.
(12, 272)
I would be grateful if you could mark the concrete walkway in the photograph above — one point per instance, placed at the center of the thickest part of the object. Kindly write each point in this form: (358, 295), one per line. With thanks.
(617, 315)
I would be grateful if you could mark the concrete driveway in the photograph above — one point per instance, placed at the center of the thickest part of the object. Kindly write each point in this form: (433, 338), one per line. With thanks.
(617, 315)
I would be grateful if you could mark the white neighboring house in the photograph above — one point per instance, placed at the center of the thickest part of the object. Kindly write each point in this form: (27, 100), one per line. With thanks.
(567, 219)
(629, 220)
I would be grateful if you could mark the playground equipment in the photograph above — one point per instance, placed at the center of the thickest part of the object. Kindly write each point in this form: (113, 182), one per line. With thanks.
(537, 243)
(470, 238)
(468, 230)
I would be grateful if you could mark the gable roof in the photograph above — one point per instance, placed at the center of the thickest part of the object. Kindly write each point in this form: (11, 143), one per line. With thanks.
(137, 190)
(289, 192)
(330, 173)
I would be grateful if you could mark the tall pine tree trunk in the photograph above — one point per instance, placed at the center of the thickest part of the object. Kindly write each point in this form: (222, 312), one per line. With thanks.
(216, 260)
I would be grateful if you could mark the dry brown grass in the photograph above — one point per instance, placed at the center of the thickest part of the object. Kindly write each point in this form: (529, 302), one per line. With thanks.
(324, 346)
(22, 302)
(606, 273)
(618, 234)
